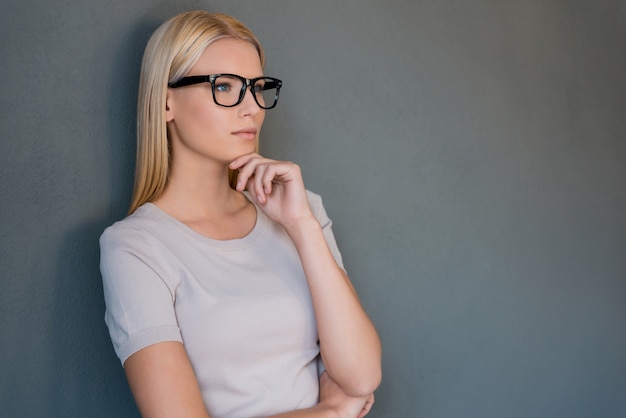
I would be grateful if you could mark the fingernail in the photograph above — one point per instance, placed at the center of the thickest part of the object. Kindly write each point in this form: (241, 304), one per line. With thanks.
(238, 186)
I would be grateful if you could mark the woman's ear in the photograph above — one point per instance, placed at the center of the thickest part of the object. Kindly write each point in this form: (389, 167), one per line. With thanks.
(169, 113)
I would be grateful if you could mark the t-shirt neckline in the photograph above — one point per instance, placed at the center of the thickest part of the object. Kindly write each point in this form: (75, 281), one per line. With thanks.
(260, 225)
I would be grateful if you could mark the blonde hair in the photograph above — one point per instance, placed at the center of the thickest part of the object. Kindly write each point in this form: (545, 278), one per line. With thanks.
(171, 52)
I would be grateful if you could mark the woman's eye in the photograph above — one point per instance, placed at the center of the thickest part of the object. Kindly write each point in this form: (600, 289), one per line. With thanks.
(225, 87)
(258, 88)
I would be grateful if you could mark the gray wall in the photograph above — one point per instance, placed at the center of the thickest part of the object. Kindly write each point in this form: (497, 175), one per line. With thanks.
(471, 153)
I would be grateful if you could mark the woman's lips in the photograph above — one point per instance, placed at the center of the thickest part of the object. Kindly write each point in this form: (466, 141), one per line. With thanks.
(246, 133)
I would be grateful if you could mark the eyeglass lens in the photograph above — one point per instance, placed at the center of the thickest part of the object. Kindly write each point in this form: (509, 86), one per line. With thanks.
(227, 91)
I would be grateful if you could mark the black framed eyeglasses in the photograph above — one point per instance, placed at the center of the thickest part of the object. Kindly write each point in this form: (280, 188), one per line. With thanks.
(230, 89)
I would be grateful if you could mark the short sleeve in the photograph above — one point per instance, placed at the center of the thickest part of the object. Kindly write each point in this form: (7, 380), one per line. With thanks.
(315, 201)
(139, 300)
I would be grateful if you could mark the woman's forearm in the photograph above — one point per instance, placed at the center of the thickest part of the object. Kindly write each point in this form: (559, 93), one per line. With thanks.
(314, 412)
(349, 343)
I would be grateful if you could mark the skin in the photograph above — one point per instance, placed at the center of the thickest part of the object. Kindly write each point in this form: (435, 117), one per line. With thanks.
(206, 140)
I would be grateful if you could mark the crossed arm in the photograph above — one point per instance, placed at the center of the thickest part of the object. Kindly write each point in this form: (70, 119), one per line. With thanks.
(161, 377)
(164, 385)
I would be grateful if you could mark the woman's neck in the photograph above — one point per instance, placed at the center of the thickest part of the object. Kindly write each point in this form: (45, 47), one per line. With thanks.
(196, 194)
(205, 202)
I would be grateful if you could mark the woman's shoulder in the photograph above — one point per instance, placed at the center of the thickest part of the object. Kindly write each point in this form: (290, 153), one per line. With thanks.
(313, 197)
(315, 200)
(135, 228)
(317, 206)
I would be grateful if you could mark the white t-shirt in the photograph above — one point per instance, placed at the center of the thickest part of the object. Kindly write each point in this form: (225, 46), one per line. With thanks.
(241, 307)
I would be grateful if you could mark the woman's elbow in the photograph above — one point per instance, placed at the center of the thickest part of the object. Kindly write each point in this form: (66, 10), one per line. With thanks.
(362, 384)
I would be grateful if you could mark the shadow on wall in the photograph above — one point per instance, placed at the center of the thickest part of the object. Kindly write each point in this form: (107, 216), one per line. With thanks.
(88, 379)
(87, 374)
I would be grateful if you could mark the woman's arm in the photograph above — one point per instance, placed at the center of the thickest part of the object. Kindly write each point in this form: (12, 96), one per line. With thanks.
(163, 382)
(164, 385)
(334, 403)
(349, 343)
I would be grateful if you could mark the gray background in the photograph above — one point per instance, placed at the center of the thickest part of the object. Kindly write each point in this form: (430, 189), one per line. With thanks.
(471, 153)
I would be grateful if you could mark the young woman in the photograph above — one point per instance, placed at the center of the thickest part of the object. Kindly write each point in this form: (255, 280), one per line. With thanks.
(224, 288)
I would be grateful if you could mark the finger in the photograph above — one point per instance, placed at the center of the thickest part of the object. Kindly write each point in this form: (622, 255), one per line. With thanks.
(367, 407)
(252, 189)
(270, 175)
(277, 172)
(266, 174)
(257, 197)
(268, 179)
(246, 171)
(242, 160)
(258, 181)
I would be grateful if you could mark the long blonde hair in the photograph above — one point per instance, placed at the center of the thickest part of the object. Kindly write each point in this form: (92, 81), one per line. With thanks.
(171, 52)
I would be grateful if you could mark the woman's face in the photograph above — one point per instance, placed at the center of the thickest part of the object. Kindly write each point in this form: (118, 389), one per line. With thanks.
(201, 130)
